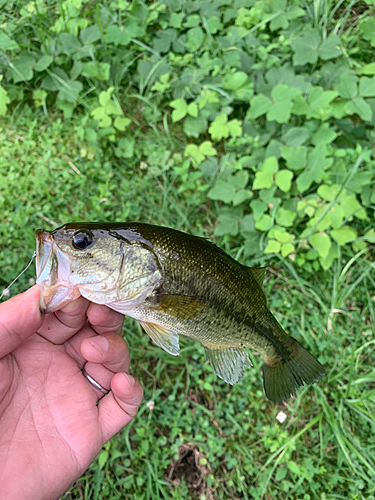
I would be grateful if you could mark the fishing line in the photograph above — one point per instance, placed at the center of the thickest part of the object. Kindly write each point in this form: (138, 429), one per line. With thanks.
(6, 290)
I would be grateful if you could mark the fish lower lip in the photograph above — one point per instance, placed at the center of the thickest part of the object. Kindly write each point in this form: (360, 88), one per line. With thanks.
(53, 298)
(44, 263)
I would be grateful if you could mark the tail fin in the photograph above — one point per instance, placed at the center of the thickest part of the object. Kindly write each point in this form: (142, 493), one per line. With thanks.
(283, 378)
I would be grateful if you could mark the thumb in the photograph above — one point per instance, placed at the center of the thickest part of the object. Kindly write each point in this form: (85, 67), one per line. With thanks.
(120, 406)
(19, 319)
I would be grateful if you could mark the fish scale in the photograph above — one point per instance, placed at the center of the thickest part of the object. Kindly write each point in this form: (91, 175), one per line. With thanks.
(175, 284)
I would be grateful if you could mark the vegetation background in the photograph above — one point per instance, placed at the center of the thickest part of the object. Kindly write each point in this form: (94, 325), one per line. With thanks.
(248, 122)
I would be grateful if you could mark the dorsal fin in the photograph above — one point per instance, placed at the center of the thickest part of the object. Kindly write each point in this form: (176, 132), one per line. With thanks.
(258, 273)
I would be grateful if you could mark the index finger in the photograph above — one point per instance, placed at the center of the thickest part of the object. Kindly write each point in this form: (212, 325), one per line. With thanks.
(103, 319)
(59, 326)
(20, 318)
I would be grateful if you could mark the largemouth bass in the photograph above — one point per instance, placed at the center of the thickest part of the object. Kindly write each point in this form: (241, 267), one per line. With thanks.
(174, 284)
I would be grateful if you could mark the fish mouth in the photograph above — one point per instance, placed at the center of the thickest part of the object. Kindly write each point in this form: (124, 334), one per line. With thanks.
(52, 270)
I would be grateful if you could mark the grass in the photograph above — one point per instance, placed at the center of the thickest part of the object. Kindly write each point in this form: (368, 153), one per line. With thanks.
(323, 449)
(201, 438)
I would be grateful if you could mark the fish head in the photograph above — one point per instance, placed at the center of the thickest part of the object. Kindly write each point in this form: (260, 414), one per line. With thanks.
(102, 263)
(75, 260)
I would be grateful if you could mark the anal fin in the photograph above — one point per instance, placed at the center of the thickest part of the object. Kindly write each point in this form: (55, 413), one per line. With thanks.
(228, 363)
(163, 338)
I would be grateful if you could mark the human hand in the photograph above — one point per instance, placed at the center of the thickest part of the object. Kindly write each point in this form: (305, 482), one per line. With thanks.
(51, 427)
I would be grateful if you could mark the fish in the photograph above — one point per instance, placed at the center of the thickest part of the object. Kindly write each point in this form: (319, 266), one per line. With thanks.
(174, 284)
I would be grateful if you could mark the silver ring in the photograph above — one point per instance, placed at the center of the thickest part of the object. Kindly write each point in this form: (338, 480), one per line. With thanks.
(94, 382)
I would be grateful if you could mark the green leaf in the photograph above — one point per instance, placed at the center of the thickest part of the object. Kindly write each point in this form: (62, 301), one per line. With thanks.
(336, 214)
(121, 123)
(105, 96)
(248, 224)
(192, 21)
(214, 25)
(343, 235)
(219, 128)
(325, 135)
(305, 48)
(22, 68)
(264, 223)
(100, 115)
(367, 87)
(228, 224)
(180, 109)
(347, 88)
(103, 458)
(91, 34)
(264, 177)
(351, 206)
(259, 105)
(69, 44)
(113, 108)
(7, 43)
(66, 107)
(117, 36)
(319, 100)
(176, 19)
(283, 180)
(369, 69)
(360, 107)
(273, 246)
(192, 109)
(39, 96)
(330, 47)
(296, 136)
(316, 164)
(240, 84)
(281, 103)
(222, 191)
(195, 38)
(241, 196)
(192, 150)
(293, 467)
(43, 63)
(195, 126)
(295, 158)
(370, 236)
(287, 249)
(235, 80)
(235, 128)
(69, 92)
(207, 149)
(258, 208)
(285, 217)
(125, 148)
(4, 99)
(94, 69)
(322, 242)
(326, 262)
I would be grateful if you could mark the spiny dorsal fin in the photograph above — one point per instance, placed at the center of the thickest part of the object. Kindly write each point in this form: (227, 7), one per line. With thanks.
(258, 273)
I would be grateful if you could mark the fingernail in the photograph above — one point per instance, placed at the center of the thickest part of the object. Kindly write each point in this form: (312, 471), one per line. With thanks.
(130, 379)
(100, 343)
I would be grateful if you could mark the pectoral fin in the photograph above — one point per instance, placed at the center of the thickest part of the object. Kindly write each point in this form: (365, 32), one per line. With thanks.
(228, 363)
(163, 338)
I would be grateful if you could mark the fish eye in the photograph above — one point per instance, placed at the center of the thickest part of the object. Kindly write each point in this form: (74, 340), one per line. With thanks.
(81, 240)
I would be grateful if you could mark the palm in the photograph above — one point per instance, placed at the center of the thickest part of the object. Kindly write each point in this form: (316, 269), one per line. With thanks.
(51, 426)
(61, 399)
